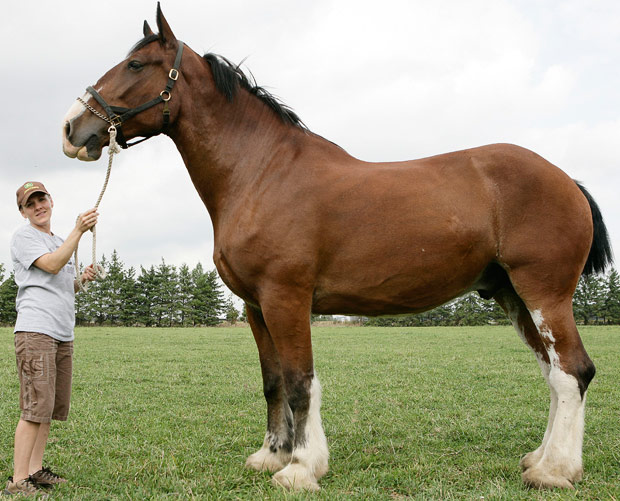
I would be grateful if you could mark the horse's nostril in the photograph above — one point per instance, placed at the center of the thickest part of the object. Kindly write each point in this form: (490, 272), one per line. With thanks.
(67, 129)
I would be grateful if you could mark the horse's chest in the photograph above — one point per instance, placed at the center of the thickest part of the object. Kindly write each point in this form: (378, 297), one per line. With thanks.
(236, 273)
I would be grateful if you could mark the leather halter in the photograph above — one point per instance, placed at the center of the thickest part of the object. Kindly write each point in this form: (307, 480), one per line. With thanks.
(117, 115)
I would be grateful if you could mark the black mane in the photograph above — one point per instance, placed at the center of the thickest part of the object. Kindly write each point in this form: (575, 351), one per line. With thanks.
(229, 77)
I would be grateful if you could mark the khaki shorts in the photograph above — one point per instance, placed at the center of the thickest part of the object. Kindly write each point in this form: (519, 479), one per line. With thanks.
(44, 366)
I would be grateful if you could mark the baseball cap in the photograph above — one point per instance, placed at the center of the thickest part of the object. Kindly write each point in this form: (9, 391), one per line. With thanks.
(27, 189)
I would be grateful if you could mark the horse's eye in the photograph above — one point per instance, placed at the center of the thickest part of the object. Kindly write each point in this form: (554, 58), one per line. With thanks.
(135, 65)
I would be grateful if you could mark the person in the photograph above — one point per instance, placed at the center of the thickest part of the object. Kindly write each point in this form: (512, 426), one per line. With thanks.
(45, 277)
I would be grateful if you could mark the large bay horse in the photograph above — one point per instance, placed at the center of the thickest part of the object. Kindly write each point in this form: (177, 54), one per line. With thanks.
(300, 226)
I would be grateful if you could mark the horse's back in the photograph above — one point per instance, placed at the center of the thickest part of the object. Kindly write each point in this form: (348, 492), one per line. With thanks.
(408, 236)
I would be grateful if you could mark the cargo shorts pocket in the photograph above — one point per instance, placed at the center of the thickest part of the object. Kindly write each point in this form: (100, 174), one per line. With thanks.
(34, 379)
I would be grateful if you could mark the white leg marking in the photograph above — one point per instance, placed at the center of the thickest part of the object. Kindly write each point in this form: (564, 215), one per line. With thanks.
(264, 459)
(531, 458)
(309, 462)
(557, 462)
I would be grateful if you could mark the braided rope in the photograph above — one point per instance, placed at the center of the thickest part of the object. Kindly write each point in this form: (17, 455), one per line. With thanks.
(100, 273)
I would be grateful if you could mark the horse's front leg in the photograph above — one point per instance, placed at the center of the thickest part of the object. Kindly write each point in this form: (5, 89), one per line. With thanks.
(288, 320)
(277, 447)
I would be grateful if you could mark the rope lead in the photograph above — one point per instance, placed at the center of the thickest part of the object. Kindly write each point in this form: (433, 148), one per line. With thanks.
(100, 273)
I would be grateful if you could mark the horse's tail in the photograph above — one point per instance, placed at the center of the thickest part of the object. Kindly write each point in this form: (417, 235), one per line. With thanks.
(601, 254)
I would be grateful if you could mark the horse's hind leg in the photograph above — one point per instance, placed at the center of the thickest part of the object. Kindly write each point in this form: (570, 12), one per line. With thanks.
(524, 325)
(275, 453)
(570, 373)
(551, 333)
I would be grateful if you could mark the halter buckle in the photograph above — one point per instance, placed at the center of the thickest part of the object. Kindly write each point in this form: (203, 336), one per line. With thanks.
(173, 74)
(116, 121)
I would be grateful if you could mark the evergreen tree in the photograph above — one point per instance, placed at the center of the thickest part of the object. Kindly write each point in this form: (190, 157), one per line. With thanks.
(232, 314)
(588, 299)
(110, 290)
(146, 287)
(207, 301)
(8, 295)
(185, 293)
(470, 310)
(166, 288)
(130, 298)
(611, 303)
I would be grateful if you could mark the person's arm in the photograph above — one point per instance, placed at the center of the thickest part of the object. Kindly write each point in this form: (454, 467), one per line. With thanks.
(53, 262)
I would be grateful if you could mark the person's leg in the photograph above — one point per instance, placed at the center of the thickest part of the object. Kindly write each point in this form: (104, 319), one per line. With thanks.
(36, 456)
(26, 435)
(36, 366)
(60, 381)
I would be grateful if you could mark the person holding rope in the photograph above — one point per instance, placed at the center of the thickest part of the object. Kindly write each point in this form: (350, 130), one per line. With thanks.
(45, 276)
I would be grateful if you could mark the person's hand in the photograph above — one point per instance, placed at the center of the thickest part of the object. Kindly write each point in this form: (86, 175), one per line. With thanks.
(88, 275)
(86, 220)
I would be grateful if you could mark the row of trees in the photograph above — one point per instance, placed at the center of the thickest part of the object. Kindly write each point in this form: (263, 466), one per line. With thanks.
(165, 296)
(161, 296)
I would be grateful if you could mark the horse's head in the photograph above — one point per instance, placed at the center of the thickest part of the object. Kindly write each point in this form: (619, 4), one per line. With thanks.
(136, 96)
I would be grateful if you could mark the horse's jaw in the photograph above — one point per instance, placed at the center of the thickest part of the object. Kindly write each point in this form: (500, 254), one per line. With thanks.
(85, 145)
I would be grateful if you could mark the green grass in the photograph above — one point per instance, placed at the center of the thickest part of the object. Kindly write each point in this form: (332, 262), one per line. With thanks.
(420, 413)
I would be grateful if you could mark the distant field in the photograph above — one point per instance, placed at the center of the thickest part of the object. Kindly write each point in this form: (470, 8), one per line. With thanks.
(422, 413)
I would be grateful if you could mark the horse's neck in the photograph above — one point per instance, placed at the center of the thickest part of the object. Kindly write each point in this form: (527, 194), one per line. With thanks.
(228, 147)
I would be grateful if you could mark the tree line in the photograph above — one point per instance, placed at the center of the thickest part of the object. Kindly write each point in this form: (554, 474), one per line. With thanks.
(170, 296)
(158, 296)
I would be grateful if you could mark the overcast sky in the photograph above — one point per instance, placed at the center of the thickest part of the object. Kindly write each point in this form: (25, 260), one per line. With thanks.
(389, 80)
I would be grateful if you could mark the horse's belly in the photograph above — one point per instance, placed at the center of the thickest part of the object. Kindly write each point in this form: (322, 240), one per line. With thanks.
(382, 289)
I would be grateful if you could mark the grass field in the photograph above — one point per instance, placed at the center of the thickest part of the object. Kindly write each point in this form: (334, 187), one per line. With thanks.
(420, 413)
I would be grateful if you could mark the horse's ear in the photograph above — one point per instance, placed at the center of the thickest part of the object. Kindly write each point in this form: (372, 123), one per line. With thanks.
(165, 33)
(146, 30)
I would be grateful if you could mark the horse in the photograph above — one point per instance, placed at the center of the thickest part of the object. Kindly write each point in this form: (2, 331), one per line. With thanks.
(301, 227)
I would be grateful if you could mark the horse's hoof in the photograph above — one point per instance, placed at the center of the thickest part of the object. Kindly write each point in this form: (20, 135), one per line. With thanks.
(537, 478)
(295, 477)
(264, 460)
(530, 459)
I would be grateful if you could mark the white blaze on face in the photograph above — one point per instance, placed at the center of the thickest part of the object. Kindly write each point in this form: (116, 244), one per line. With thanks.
(75, 111)
(69, 149)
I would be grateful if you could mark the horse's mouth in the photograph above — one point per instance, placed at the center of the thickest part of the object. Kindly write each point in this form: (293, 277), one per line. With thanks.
(89, 152)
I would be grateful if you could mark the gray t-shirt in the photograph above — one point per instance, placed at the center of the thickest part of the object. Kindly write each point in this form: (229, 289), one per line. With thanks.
(45, 302)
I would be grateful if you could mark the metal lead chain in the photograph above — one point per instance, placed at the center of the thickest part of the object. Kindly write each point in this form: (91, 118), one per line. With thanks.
(89, 107)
